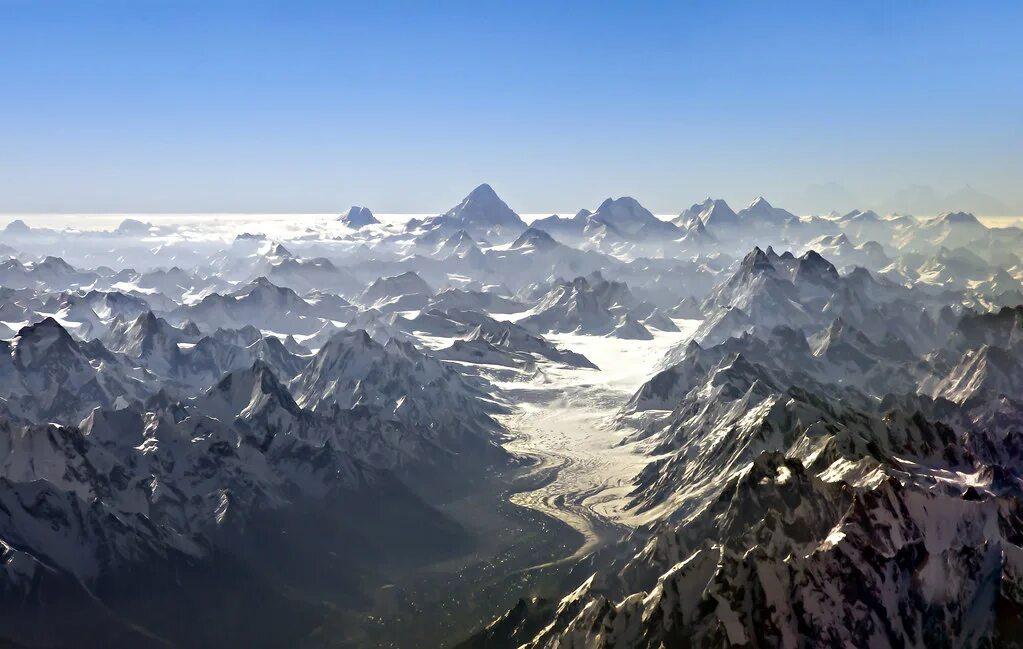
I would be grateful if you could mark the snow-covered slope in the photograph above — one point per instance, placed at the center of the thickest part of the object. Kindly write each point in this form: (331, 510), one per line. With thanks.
(783, 430)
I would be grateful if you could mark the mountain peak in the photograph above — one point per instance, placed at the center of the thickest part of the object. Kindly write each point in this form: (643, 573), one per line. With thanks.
(133, 226)
(278, 250)
(483, 191)
(47, 325)
(407, 283)
(624, 202)
(960, 218)
(358, 217)
(483, 207)
(35, 340)
(263, 282)
(814, 267)
(757, 257)
(536, 239)
(718, 213)
(147, 321)
(56, 263)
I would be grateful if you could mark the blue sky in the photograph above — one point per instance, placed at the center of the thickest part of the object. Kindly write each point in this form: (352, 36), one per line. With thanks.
(312, 106)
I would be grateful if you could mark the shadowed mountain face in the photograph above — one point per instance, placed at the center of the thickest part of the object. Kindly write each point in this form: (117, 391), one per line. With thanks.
(737, 428)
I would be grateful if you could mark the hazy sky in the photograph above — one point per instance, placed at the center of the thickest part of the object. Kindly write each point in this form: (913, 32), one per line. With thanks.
(312, 106)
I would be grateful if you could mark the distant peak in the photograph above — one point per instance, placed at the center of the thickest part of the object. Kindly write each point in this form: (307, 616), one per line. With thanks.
(278, 250)
(358, 217)
(483, 207)
(718, 213)
(621, 201)
(959, 218)
(535, 238)
(56, 262)
(133, 226)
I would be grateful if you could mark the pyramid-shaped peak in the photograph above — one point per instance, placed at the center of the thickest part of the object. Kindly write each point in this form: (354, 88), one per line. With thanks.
(483, 207)
(483, 191)
(46, 326)
(35, 340)
(813, 264)
(535, 238)
(718, 213)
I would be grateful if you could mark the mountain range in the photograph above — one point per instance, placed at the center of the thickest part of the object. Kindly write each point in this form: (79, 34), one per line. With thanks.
(731, 428)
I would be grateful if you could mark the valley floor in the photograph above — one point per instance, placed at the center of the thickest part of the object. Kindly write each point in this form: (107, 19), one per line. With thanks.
(534, 523)
(564, 418)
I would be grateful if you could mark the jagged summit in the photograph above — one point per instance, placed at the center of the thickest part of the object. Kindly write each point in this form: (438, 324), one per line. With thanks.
(756, 261)
(717, 214)
(277, 250)
(959, 218)
(692, 213)
(358, 217)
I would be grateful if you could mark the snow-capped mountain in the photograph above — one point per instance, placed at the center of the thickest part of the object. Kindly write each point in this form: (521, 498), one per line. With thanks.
(600, 308)
(760, 213)
(748, 428)
(482, 214)
(259, 304)
(47, 375)
(358, 217)
(386, 288)
(353, 370)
